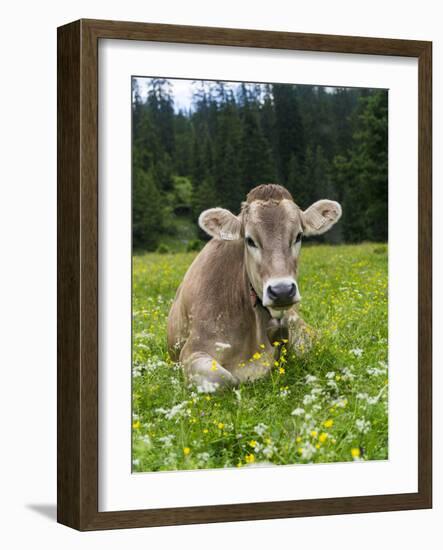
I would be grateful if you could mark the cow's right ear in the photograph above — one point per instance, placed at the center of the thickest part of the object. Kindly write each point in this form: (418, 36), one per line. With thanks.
(220, 224)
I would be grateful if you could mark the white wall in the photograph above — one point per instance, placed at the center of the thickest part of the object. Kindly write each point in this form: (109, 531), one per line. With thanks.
(28, 269)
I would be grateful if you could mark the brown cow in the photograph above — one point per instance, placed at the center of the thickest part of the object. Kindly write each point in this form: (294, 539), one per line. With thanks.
(240, 293)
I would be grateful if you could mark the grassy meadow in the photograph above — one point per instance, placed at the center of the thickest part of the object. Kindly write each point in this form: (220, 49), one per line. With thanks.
(330, 405)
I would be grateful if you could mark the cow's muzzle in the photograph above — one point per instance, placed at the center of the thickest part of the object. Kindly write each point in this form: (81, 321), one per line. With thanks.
(281, 293)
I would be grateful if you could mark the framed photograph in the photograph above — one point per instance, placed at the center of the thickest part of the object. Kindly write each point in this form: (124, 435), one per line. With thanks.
(244, 274)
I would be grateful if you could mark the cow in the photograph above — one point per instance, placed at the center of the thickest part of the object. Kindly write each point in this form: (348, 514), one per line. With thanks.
(239, 297)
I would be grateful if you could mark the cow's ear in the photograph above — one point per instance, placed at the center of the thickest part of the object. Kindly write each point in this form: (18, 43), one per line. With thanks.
(220, 224)
(320, 217)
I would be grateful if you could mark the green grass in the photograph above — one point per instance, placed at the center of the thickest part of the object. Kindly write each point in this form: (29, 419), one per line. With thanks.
(330, 405)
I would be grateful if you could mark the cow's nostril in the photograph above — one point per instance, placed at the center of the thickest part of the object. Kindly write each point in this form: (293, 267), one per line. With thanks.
(282, 291)
(271, 293)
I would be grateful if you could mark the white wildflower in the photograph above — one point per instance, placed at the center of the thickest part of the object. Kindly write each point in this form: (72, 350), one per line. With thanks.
(347, 374)
(203, 457)
(308, 451)
(363, 425)
(269, 450)
(174, 411)
(167, 440)
(357, 352)
(308, 399)
(298, 411)
(260, 429)
(207, 386)
(363, 396)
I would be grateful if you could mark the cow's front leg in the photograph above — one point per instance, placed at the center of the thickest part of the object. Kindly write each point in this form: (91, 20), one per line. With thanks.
(301, 335)
(206, 373)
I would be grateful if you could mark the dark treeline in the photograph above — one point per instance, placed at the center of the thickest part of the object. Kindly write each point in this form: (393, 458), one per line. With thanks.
(318, 143)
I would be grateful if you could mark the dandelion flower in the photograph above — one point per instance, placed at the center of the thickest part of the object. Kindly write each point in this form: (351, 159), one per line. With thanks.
(355, 452)
(186, 451)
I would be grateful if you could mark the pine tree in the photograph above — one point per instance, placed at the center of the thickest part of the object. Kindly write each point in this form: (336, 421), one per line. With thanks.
(288, 126)
(228, 175)
(256, 160)
(147, 211)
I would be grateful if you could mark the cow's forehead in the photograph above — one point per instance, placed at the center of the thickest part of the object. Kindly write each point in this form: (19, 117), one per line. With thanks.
(272, 215)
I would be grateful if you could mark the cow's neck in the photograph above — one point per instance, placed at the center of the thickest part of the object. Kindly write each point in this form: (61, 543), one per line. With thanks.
(276, 328)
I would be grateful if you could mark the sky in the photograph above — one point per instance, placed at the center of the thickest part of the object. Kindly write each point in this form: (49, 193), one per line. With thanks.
(182, 90)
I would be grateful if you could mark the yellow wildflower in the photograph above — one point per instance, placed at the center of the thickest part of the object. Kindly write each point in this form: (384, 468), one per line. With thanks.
(281, 370)
(136, 424)
(323, 437)
(328, 423)
(186, 451)
(298, 439)
(355, 452)
(250, 458)
(256, 356)
(300, 450)
(317, 445)
(314, 433)
(205, 431)
(262, 346)
(214, 365)
(220, 425)
(252, 443)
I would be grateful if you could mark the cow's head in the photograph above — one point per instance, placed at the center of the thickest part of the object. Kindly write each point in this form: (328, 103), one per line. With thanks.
(272, 227)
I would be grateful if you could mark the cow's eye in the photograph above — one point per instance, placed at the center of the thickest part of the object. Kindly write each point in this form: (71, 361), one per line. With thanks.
(250, 242)
(298, 238)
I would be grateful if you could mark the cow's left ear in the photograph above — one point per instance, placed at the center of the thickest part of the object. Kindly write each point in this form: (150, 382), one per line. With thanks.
(220, 224)
(320, 217)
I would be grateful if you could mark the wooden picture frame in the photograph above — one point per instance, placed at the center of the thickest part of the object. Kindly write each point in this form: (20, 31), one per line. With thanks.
(78, 244)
